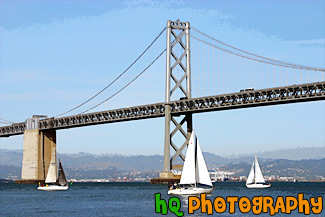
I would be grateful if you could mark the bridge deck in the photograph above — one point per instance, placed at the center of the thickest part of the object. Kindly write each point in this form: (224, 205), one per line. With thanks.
(254, 98)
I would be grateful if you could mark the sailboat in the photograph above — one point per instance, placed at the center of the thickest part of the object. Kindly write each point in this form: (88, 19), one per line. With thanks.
(255, 178)
(53, 181)
(195, 177)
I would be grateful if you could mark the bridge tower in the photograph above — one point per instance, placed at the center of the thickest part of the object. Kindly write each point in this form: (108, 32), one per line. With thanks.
(39, 146)
(178, 84)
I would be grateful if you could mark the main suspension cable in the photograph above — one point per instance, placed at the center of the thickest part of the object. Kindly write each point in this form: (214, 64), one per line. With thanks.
(281, 63)
(115, 78)
(125, 86)
(262, 61)
(6, 121)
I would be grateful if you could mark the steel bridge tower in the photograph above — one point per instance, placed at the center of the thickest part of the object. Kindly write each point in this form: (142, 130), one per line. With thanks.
(178, 79)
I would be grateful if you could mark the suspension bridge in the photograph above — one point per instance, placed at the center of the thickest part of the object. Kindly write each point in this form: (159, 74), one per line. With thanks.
(234, 79)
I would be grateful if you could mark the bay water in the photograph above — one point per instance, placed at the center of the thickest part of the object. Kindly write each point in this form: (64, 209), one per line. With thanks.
(133, 198)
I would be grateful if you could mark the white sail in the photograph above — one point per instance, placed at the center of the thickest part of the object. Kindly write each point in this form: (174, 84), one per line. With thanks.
(188, 173)
(194, 172)
(255, 178)
(251, 175)
(51, 176)
(201, 168)
(258, 173)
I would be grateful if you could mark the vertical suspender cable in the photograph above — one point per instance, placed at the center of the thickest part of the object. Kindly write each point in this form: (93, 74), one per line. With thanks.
(199, 69)
(208, 70)
(204, 69)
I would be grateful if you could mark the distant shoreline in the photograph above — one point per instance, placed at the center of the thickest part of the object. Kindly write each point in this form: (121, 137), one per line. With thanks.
(7, 181)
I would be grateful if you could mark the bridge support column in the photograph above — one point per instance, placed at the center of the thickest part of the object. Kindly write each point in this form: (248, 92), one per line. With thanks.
(177, 59)
(37, 152)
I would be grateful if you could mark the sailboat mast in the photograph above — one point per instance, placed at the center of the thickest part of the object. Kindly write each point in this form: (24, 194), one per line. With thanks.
(255, 170)
(195, 157)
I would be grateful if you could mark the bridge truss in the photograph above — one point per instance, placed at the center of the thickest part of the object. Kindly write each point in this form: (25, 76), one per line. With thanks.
(255, 98)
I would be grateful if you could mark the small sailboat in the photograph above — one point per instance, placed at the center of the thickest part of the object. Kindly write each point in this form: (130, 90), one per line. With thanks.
(53, 181)
(195, 177)
(255, 178)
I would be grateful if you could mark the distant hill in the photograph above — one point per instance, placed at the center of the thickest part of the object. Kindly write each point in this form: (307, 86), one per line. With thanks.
(123, 162)
(91, 161)
(14, 157)
(309, 169)
(85, 165)
(299, 153)
(11, 157)
(142, 162)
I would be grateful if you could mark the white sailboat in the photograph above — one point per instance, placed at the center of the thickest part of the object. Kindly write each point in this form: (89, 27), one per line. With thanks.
(195, 177)
(255, 178)
(53, 181)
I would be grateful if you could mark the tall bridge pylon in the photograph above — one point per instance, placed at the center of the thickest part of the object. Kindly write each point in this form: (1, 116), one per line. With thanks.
(178, 59)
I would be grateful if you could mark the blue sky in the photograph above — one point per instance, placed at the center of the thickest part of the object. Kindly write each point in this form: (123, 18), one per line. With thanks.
(56, 54)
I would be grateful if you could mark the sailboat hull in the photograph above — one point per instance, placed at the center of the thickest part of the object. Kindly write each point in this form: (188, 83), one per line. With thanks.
(53, 188)
(258, 185)
(190, 191)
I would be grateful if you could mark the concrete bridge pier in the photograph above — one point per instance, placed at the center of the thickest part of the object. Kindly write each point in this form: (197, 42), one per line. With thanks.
(39, 146)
